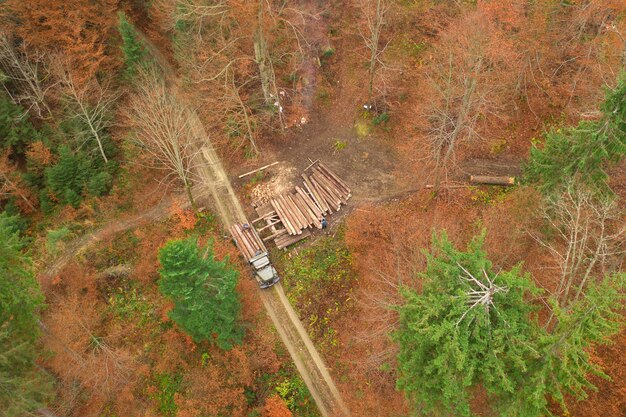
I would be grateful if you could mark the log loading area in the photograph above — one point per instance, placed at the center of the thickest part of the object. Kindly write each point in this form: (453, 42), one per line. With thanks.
(290, 217)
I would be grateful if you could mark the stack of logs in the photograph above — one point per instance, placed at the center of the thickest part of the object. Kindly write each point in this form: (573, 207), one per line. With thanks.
(248, 241)
(322, 193)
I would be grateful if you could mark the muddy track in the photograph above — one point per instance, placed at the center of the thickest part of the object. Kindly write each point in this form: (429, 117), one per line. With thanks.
(214, 179)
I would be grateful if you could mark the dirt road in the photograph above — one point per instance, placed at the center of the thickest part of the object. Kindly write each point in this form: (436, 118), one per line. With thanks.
(160, 211)
(214, 179)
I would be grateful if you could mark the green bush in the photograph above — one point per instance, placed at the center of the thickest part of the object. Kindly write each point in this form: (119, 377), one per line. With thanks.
(167, 386)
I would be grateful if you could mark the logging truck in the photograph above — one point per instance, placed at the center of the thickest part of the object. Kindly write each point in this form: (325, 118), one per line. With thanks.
(254, 251)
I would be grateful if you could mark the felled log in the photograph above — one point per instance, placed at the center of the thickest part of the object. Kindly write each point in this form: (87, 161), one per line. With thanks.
(485, 179)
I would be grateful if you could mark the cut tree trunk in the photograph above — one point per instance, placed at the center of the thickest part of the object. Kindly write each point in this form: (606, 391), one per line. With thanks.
(485, 179)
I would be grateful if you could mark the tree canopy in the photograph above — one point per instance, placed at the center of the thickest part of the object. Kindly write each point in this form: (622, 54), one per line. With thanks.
(206, 304)
(22, 387)
(473, 327)
(583, 151)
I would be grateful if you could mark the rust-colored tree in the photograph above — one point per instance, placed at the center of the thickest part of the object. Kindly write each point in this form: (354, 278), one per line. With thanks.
(80, 30)
(276, 407)
(469, 80)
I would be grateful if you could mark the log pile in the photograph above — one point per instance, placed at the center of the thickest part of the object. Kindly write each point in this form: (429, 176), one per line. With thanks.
(322, 193)
(247, 240)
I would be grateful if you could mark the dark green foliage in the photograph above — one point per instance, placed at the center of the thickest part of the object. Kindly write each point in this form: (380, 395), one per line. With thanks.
(75, 176)
(380, 119)
(20, 301)
(67, 178)
(564, 365)
(582, 152)
(16, 131)
(207, 305)
(442, 353)
(134, 52)
(447, 347)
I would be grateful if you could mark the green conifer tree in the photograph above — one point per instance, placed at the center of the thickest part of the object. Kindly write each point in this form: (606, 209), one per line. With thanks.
(67, 178)
(16, 131)
(22, 387)
(582, 152)
(206, 304)
(134, 52)
(472, 327)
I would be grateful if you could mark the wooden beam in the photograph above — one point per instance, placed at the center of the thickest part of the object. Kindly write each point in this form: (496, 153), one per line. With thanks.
(330, 197)
(312, 163)
(316, 197)
(293, 218)
(331, 188)
(263, 217)
(258, 169)
(310, 202)
(339, 180)
(283, 217)
(275, 235)
(268, 226)
(296, 210)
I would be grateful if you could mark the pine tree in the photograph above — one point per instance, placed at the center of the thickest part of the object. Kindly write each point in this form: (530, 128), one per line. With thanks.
(67, 178)
(22, 387)
(207, 305)
(134, 52)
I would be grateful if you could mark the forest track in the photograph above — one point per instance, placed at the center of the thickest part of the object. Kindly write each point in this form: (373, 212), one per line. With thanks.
(78, 245)
(214, 178)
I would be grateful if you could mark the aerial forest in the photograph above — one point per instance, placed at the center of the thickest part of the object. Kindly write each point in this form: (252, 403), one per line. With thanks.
(307, 208)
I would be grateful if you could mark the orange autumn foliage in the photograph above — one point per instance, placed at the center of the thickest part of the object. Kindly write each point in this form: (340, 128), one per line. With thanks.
(185, 218)
(80, 30)
(276, 407)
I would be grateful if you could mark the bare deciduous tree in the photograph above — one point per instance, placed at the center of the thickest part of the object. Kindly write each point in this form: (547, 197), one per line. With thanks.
(163, 129)
(266, 66)
(587, 235)
(375, 13)
(469, 85)
(29, 74)
(90, 103)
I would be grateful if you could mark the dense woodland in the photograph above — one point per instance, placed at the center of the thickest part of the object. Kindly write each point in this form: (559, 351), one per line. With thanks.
(122, 295)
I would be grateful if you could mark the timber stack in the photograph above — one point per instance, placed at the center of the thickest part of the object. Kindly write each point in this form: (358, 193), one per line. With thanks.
(321, 194)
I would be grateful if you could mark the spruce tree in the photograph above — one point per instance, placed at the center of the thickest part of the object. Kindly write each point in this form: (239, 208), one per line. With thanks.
(16, 131)
(22, 388)
(584, 151)
(469, 325)
(206, 304)
(67, 178)
(134, 52)
(472, 327)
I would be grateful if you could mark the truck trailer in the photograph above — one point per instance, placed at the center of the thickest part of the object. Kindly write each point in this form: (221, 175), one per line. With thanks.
(254, 251)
